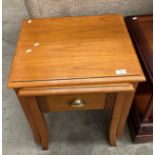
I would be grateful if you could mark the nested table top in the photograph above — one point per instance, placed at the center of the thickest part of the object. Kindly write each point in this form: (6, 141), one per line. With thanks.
(53, 51)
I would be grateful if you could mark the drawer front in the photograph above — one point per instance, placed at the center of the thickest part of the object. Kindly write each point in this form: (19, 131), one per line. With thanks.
(71, 102)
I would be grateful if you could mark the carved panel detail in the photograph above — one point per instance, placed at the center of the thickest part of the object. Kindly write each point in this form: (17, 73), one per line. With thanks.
(110, 100)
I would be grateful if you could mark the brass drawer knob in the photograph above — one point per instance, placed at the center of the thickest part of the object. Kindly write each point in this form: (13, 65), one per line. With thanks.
(77, 103)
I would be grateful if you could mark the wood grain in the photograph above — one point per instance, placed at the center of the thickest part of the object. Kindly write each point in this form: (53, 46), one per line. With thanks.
(116, 115)
(141, 114)
(73, 48)
(107, 88)
(39, 120)
(61, 61)
(24, 101)
(125, 111)
(141, 31)
(62, 103)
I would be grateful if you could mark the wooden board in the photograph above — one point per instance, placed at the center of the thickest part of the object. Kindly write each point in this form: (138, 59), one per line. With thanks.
(141, 31)
(141, 114)
(80, 49)
(64, 102)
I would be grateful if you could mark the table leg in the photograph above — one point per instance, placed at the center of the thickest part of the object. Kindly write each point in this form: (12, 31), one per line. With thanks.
(40, 122)
(125, 111)
(23, 101)
(36, 120)
(117, 110)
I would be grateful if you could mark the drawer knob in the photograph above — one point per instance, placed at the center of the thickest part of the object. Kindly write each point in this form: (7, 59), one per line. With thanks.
(77, 103)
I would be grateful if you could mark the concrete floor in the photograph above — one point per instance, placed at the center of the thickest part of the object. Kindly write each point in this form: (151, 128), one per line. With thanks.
(70, 133)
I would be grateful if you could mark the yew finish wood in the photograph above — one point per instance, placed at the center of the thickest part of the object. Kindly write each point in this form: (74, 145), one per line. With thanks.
(106, 88)
(125, 111)
(117, 110)
(39, 120)
(64, 102)
(25, 105)
(75, 63)
(73, 48)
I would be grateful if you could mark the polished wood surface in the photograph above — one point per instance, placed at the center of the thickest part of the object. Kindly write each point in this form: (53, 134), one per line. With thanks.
(63, 102)
(25, 106)
(107, 88)
(116, 116)
(73, 48)
(141, 114)
(75, 63)
(145, 24)
(39, 121)
(141, 31)
(127, 105)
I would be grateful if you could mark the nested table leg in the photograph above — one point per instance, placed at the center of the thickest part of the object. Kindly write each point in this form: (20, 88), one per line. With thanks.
(117, 110)
(36, 120)
(126, 109)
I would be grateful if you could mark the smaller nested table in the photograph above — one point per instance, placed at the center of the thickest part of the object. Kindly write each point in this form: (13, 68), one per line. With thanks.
(75, 63)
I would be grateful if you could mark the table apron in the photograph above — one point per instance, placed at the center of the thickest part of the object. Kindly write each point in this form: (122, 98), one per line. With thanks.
(106, 88)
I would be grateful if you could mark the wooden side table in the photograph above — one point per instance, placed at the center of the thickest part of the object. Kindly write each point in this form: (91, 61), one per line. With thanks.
(141, 114)
(75, 63)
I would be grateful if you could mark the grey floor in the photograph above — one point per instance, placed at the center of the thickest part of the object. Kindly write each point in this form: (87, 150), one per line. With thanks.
(71, 133)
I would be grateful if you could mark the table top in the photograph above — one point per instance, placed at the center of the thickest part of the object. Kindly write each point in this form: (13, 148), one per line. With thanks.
(141, 30)
(88, 49)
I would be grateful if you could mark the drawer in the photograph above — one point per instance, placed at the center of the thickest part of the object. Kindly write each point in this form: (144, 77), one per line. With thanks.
(71, 102)
(76, 97)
